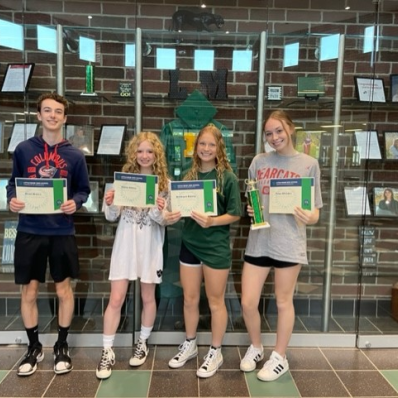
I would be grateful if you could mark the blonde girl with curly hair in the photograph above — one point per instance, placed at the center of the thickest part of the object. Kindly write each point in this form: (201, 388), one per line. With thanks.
(137, 251)
(205, 250)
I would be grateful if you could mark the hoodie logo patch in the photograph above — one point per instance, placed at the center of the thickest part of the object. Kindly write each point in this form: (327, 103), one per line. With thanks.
(47, 172)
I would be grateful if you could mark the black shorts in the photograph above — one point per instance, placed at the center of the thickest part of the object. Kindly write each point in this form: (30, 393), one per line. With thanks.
(186, 257)
(268, 262)
(33, 251)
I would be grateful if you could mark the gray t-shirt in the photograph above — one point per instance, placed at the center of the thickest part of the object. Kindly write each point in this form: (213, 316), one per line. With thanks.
(285, 240)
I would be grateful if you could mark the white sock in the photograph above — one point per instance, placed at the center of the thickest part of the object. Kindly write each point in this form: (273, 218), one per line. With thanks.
(145, 332)
(107, 340)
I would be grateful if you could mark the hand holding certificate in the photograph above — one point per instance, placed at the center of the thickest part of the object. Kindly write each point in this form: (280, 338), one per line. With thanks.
(135, 190)
(41, 195)
(287, 193)
(187, 196)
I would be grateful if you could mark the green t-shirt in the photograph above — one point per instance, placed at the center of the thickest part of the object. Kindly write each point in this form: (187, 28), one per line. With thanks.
(212, 245)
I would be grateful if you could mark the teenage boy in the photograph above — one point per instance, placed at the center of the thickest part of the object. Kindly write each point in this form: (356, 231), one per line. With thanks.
(43, 238)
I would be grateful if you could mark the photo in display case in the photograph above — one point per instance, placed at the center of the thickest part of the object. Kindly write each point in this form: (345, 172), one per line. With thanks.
(308, 142)
(385, 201)
(81, 137)
(91, 206)
(391, 145)
(394, 88)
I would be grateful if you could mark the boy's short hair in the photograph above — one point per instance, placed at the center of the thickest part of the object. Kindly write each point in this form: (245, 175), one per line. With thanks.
(55, 97)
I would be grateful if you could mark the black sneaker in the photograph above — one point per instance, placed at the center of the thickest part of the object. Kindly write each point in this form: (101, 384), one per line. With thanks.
(28, 365)
(62, 361)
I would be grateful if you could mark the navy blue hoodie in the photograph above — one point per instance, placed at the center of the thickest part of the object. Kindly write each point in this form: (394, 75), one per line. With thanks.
(34, 158)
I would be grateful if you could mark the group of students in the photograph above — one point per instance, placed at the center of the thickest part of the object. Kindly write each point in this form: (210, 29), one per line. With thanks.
(205, 254)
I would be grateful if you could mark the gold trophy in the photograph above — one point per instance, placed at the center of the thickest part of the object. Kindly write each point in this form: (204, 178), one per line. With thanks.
(253, 196)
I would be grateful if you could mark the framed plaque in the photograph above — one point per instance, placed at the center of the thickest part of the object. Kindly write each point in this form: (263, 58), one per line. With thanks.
(17, 78)
(370, 90)
(111, 139)
(368, 144)
(391, 145)
(356, 201)
(21, 132)
(274, 93)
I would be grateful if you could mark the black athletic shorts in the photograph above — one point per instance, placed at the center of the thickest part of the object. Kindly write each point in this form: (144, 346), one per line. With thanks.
(268, 262)
(188, 258)
(32, 252)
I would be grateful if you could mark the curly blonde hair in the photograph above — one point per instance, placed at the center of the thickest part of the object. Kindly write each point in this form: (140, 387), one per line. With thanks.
(222, 163)
(159, 166)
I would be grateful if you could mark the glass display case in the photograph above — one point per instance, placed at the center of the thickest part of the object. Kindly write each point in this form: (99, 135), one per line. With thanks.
(175, 82)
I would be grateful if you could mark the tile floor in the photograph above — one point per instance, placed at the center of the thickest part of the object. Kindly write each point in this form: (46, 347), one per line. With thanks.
(314, 372)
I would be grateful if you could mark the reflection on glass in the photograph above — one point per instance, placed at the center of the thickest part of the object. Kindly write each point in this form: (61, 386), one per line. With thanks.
(166, 58)
(86, 49)
(329, 47)
(129, 55)
(242, 60)
(11, 35)
(46, 39)
(291, 55)
(204, 60)
(369, 40)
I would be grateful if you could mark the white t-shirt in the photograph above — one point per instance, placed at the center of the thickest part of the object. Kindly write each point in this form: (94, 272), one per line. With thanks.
(285, 240)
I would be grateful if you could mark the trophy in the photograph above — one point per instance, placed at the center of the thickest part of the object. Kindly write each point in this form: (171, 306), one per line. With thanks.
(254, 201)
(90, 82)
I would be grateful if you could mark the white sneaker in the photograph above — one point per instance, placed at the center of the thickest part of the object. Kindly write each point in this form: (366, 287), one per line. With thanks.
(140, 353)
(104, 369)
(252, 356)
(187, 351)
(213, 360)
(274, 368)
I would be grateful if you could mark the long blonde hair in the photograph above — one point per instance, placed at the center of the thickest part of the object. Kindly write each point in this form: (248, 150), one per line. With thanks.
(159, 166)
(222, 163)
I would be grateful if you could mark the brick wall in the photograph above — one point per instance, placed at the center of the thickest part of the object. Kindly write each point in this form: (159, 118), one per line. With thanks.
(112, 25)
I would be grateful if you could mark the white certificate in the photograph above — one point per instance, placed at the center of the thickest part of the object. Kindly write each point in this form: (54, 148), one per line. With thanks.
(287, 193)
(187, 196)
(135, 190)
(41, 195)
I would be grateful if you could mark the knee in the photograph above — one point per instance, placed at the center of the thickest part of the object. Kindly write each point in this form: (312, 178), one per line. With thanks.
(64, 291)
(249, 305)
(284, 304)
(29, 294)
(116, 302)
(217, 304)
(191, 301)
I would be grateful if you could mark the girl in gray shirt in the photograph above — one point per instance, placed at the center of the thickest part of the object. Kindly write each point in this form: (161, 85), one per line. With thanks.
(282, 246)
